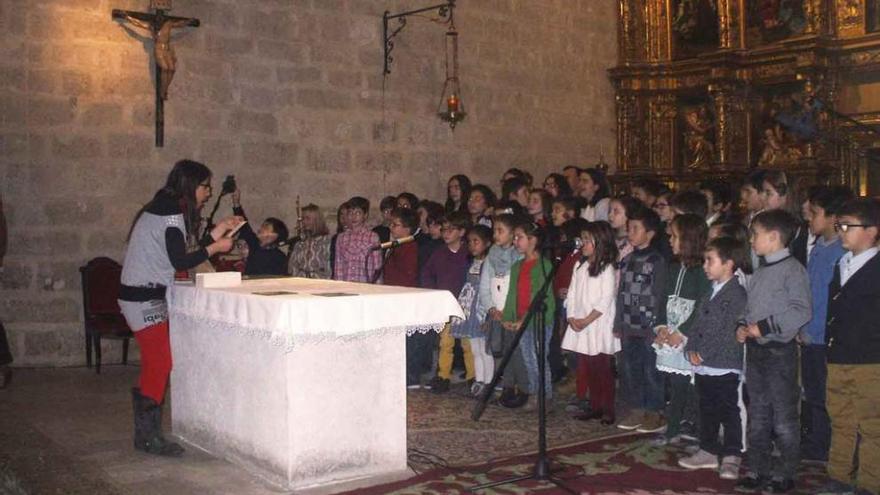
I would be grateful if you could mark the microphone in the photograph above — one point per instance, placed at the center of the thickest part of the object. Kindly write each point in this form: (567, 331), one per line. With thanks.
(393, 244)
(289, 242)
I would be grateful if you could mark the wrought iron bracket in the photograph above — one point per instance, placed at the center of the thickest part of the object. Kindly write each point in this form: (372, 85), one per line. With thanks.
(444, 14)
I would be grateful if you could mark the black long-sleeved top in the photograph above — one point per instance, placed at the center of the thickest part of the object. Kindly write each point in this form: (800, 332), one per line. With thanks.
(261, 260)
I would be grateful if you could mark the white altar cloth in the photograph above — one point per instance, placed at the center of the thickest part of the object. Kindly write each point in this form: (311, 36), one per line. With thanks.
(305, 390)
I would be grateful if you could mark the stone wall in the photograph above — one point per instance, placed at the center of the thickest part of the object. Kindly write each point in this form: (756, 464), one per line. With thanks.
(285, 94)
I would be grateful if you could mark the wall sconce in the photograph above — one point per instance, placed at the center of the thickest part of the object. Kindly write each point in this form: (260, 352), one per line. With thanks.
(451, 109)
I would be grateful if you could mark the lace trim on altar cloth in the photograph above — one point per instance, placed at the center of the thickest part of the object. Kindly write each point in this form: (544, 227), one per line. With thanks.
(287, 342)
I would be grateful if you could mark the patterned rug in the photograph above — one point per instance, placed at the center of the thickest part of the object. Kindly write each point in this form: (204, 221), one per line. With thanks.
(440, 428)
(623, 464)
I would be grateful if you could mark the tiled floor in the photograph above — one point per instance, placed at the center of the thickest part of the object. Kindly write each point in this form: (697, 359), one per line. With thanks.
(68, 431)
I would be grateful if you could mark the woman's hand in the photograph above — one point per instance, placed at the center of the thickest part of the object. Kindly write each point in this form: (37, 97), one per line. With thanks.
(224, 226)
(221, 245)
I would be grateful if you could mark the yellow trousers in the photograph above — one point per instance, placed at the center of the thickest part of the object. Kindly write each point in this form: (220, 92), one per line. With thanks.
(854, 407)
(444, 359)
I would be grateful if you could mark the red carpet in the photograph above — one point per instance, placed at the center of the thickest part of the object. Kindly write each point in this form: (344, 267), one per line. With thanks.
(625, 464)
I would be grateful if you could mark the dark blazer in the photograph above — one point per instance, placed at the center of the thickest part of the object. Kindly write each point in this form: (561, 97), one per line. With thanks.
(798, 245)
(853, 327)
(713, 331)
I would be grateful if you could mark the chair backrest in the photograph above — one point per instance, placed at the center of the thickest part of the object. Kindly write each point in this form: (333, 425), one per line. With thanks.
(100, 286)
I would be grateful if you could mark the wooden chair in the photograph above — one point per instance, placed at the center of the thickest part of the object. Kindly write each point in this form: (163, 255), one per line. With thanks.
(101, 315)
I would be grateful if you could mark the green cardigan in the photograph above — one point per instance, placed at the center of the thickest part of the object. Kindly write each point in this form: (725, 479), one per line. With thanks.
(542, 267)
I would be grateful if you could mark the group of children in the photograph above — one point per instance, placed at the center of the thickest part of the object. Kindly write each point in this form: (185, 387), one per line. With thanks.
(750, 334)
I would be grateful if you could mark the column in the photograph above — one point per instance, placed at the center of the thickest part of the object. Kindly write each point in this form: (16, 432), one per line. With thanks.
(731, 126)
(661, 142)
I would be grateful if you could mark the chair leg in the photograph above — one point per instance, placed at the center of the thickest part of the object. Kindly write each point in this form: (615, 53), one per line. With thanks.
(88, 348)
(125, 351)
(97, 341)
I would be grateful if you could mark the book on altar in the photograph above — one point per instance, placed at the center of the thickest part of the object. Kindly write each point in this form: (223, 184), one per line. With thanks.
(218, 280)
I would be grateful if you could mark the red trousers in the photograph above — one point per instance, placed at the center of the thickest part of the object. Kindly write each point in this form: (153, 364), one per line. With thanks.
(155, 360)
(594, 374)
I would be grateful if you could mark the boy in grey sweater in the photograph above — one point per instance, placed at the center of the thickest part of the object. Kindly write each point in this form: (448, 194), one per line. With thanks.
(717, 358)
(778, 307)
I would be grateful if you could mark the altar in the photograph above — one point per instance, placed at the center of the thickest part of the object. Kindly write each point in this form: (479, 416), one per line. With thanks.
(300, 381)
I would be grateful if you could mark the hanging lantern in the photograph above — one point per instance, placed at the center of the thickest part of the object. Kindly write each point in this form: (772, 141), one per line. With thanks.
(451, 109)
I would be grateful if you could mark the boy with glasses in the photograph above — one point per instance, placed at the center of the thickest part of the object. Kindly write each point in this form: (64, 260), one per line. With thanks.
(447, 270)
(853, 337)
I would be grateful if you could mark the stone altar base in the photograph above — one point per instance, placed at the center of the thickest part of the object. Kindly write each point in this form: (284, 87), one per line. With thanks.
(328, 412)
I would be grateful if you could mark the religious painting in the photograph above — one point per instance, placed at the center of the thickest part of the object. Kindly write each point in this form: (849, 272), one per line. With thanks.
(786, 122)
(697, 136)
(769, 21)
(694, 27)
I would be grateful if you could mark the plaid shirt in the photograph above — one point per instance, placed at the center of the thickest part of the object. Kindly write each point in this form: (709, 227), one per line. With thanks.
(352, 247)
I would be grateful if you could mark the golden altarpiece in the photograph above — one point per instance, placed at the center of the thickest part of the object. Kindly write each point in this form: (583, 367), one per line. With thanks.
(716, 87)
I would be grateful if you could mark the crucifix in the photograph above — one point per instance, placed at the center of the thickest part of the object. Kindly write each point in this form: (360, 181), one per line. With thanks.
(160, 26)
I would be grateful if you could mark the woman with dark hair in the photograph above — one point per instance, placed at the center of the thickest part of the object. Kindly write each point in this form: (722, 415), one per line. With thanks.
(458, 189)
(595, 190)
(157, 248)
(557, 186)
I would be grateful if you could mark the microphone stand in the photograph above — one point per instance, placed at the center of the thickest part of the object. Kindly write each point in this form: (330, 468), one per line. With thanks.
(210, 222)
(537, 308)
(375, 275)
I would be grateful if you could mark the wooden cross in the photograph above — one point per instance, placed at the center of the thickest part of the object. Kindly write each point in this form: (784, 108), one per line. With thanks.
(160, 26)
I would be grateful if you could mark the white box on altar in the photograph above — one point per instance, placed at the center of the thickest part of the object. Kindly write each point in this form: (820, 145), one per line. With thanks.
(300, 381)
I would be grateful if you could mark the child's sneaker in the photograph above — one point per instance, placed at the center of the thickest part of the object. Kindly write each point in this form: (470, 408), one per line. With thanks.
(752, 483)
(632, 420)
(654, 422)
(663, 440)
(689, 431)
(781, 485)
(477, 388)
(729, 467)
(700, 460)
(577, 406)
(439, 385)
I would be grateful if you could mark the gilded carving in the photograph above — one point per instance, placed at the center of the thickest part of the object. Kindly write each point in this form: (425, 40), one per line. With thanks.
(815, 15)
(770, 88)
(778, 148)
(698, 138)
(662, 115)
(850, 18)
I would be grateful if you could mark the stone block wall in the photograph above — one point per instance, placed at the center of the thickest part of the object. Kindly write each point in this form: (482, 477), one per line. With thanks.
(288, 95)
